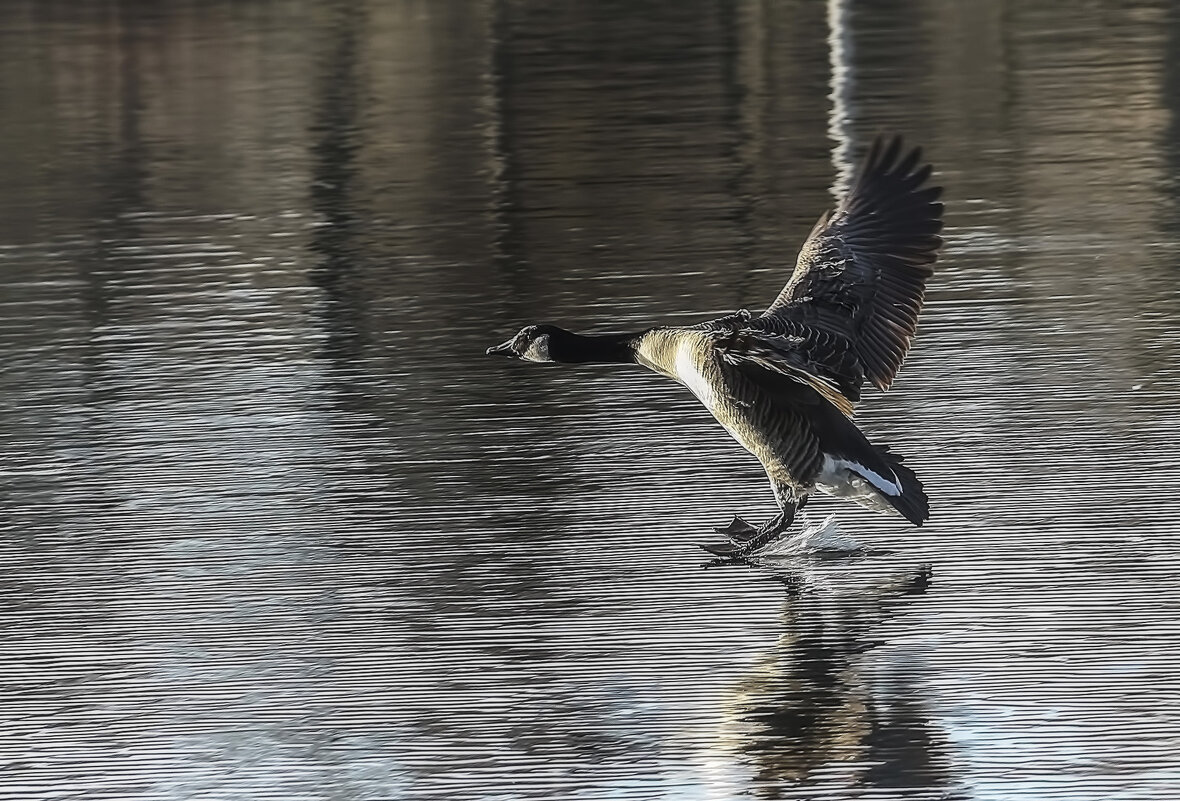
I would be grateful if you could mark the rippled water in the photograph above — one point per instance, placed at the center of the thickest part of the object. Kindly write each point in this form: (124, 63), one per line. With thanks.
(274, 527)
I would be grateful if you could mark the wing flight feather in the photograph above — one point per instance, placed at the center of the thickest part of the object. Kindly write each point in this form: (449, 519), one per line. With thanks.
(861, 275)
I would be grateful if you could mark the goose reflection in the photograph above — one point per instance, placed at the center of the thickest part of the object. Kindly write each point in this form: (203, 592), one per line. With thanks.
(833, 703)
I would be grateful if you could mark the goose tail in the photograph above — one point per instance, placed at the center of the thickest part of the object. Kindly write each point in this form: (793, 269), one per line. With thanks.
(911, 503)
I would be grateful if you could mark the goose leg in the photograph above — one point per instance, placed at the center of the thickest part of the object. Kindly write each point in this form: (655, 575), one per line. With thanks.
(744, 539)
(771, 530)
(744, 543)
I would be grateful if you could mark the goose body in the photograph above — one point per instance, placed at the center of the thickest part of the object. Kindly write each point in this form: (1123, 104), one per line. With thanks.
(784, 383)
(790, 427)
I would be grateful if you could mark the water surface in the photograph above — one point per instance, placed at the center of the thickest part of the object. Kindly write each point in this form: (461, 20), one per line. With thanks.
(275, 528)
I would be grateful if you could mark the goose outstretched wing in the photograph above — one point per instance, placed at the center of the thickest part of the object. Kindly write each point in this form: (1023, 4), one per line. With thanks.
(859, 282)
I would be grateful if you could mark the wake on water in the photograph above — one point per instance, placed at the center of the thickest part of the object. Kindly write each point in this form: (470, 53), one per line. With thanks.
(826, 538)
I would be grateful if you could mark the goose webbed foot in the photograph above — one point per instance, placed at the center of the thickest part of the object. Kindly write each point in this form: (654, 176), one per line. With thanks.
(744, 539)
(738, 530)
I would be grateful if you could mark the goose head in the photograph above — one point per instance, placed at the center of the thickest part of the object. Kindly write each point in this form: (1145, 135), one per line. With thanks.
(536, 343)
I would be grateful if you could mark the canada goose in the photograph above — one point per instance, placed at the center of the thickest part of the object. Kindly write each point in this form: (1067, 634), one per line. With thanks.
(784, 383)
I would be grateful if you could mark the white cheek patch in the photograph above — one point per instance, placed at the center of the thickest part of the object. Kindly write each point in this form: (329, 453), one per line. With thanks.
(538, 350)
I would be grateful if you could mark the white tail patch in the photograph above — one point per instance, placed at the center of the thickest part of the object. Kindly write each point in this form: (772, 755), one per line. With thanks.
(833, 479)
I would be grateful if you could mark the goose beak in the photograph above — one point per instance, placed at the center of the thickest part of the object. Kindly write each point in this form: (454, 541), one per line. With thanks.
(503, 350)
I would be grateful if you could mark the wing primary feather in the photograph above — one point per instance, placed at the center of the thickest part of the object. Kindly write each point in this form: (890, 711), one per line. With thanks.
(861, 274)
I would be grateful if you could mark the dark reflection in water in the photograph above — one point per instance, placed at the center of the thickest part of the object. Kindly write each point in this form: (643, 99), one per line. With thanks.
(819, 697)
(274, 528)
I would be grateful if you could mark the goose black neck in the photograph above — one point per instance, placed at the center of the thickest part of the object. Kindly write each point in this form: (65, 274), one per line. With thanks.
(593, 349)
